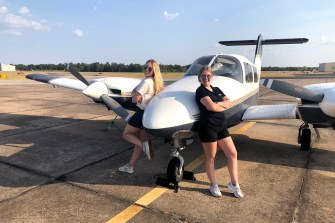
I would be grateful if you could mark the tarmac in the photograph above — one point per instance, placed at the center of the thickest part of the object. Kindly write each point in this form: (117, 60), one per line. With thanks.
(58, 163)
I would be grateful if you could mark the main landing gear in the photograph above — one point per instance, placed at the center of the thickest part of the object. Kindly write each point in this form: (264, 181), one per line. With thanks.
(175, 170)
(305, 137)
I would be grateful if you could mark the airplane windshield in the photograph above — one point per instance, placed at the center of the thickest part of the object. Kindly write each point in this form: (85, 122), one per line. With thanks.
(223, 65)
(197, 65)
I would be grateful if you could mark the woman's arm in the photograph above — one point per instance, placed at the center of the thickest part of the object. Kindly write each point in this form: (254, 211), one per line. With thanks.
(226, 103)
(210, 105)
(136, 97)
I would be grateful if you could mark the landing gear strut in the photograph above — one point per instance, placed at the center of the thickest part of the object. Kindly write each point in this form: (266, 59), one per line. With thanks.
(305, 137)
(175, 170)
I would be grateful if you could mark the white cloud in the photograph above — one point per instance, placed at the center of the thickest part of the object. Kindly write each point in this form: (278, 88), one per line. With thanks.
(11, 24)
(171, 16)
(3, 9)
(24, 11)
(78, 32)
(16, 22)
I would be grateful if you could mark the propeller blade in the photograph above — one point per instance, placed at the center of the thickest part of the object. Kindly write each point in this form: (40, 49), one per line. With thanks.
(115, 106)
(78, 75)
(292, 90)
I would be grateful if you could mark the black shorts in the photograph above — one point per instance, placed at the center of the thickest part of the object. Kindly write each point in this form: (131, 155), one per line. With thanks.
(136, 119)
(213, 133)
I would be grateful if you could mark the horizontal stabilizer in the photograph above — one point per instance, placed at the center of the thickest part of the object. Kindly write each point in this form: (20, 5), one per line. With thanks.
(264, 112)
(264, 42)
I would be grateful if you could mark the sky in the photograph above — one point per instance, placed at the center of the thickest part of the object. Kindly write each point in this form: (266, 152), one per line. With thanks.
(172, 32)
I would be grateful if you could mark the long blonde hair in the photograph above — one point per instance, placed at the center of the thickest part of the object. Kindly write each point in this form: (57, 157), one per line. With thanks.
(157, 76)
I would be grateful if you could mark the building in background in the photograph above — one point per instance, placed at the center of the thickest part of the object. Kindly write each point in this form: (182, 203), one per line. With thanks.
(6, 67)
(327, 67)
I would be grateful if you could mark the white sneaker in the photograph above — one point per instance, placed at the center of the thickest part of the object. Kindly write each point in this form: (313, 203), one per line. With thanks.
(214, 189)
(147, 148)
(236, 190)
(127, 168)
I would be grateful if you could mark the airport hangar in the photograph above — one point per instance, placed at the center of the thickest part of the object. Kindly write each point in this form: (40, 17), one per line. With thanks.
(327, 67)
(7, 67)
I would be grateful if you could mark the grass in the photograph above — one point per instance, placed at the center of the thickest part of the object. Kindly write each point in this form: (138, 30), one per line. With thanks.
(20, 75)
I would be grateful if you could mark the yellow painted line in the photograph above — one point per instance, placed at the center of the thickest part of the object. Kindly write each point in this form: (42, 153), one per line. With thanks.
(127, 214)
(151, 196)
(155, 193)
(195, 163)
(244, 128)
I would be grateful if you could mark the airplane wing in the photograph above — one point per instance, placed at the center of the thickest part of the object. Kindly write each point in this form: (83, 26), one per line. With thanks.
(58, 81)
(114, 92)
(263, 112)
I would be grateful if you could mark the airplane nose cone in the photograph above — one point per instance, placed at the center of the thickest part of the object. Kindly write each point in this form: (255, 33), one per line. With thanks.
(169, 112)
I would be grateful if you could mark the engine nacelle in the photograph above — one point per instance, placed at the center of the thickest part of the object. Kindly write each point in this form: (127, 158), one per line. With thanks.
(328, 103)
(95, 90)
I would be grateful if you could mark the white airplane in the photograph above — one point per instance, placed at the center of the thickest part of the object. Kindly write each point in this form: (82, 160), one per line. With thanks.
(173, 113)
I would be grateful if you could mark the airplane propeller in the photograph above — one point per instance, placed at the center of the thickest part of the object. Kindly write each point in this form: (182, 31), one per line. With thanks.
(326, 100)
(75, 73)
(99, 91)
(292, 90)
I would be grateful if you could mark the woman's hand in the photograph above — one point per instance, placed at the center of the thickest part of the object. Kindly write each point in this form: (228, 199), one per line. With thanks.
(226, 103)
(136, 97)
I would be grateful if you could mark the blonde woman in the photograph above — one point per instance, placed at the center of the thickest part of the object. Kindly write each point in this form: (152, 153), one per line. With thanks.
(141, 95)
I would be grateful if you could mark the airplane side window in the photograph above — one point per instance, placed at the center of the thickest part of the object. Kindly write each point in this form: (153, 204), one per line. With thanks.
(255, 74)
(227, 67)
(248, 73)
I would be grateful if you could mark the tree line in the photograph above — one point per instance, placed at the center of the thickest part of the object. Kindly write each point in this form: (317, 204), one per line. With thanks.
(121, 67)
(99, 67)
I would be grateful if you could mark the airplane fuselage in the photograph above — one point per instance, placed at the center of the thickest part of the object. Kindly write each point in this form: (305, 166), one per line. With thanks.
(175, 108)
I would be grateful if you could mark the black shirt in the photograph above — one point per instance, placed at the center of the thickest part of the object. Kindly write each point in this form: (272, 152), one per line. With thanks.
(206, 116)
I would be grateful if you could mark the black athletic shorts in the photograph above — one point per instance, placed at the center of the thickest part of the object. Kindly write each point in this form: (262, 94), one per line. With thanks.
(136, 119)
(212, 133)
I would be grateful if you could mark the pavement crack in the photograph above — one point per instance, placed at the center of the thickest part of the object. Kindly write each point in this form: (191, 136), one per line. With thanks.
(302, 188)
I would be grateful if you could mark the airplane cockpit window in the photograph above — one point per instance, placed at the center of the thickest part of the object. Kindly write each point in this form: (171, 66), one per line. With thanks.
(197, 65)
(248, 73)
(228, 67)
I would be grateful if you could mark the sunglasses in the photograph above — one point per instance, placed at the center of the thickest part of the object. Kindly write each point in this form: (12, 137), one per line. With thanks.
(147, 67)
(204, 76)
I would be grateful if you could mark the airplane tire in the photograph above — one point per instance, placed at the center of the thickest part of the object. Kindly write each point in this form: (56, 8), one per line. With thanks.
(173, 170)
(306, 139)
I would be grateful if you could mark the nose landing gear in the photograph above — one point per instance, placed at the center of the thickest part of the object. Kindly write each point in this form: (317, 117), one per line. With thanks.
(175, 170)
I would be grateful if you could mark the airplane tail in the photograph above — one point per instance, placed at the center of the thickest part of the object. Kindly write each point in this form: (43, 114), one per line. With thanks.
(259, 43)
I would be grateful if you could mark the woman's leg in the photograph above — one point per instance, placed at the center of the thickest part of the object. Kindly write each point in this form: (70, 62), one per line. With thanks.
(134, 135)
(210, 152)
(228, 148)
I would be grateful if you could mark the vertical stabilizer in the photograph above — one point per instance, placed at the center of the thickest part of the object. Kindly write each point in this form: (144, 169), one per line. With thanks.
(258, 54)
